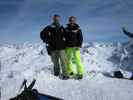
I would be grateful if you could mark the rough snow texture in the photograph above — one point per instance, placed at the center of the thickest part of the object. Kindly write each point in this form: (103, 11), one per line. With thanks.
(27, 62)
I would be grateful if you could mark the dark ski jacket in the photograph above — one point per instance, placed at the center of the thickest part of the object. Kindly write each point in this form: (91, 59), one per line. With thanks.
(73, 36)
(128, 33)
(54, 37)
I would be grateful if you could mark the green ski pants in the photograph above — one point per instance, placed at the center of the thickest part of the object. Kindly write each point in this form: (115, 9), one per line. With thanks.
(74, 54)
(58, 58)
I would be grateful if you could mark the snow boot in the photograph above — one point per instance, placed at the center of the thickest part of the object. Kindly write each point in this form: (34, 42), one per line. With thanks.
(118, 74)
(78, 77)
(65, 77)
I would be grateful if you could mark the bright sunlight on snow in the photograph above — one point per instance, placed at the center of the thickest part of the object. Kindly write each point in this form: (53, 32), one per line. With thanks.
(19, 62)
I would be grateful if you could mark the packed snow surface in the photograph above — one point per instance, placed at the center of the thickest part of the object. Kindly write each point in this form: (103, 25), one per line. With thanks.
(19, 62)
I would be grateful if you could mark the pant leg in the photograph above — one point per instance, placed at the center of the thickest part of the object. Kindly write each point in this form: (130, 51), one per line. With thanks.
(55, 60)
(69, 54)
(79, 65)
(63, 62)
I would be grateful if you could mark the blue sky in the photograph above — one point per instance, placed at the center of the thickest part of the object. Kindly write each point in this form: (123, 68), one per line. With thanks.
(100, 20)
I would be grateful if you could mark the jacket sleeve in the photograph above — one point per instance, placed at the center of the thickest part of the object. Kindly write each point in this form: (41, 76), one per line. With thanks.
(44, 34)
(80, 37)
(128, 33)
(64, 33)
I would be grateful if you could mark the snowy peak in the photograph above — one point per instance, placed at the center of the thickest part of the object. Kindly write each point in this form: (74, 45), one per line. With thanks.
(28, 61)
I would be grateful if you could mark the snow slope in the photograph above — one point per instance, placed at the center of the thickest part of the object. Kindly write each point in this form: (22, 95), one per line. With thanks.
(18, 62)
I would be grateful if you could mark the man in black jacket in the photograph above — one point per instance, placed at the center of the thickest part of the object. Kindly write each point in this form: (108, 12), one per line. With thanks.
(54, 37)
(74, 41)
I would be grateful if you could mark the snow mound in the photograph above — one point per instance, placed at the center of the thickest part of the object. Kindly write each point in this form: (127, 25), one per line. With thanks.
(19, 62)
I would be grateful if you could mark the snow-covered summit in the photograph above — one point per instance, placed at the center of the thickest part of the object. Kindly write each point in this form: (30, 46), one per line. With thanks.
(18, 62)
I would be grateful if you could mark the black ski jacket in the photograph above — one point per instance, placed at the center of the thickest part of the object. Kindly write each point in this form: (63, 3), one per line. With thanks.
(128, 33)
(73, 36)
(54, 37)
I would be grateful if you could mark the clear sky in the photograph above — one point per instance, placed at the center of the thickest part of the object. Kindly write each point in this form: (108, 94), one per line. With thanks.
(100, 20)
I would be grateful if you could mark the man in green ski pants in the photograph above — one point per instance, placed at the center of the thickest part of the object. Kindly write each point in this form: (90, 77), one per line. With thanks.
(74, 41)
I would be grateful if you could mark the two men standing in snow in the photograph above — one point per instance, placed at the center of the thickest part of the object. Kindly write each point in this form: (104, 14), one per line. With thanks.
(63, 46)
